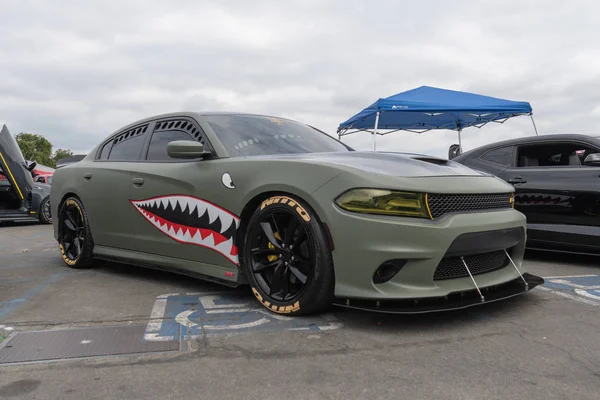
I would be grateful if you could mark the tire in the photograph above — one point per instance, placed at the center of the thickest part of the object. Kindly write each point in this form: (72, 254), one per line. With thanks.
(44, 213)
(72, 214)
(276, 272)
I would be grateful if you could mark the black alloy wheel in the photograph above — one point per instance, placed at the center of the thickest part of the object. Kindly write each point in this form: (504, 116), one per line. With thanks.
(287, 258)
(281, 260)
(74, 235)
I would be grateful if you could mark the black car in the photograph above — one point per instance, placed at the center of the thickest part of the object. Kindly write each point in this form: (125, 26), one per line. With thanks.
(21, 199)
(557, 184)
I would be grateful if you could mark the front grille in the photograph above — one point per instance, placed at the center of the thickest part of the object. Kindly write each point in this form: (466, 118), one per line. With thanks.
(440, 204)
(453, 267)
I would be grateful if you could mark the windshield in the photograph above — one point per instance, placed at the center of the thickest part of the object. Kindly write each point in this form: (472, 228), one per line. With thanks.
(251, 135)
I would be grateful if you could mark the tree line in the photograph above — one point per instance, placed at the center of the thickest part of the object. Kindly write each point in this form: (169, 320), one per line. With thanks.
(37, 148)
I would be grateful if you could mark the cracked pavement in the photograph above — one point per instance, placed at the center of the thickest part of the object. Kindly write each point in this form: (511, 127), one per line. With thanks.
(538, 346)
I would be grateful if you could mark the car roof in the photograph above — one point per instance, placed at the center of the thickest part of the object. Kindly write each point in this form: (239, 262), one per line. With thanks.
(199, 114)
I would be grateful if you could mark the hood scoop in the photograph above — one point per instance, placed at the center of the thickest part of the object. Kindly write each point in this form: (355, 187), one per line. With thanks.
(436, 161)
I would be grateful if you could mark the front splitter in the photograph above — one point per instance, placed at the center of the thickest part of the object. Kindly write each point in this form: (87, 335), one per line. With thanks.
(453, 301)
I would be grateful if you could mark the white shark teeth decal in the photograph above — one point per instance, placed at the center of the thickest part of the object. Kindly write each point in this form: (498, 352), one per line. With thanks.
(226, 220)
(186, 226)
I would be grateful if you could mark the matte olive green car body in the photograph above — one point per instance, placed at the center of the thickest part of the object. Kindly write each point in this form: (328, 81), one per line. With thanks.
(360, 242)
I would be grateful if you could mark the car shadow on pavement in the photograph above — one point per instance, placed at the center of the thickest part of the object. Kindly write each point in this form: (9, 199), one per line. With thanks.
(508, 309)
(562, 258)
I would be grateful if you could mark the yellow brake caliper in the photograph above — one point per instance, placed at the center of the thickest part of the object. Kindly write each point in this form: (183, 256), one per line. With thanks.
(273, 257)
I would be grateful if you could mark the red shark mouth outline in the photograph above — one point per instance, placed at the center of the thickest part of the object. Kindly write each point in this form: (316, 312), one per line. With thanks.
(194, 209)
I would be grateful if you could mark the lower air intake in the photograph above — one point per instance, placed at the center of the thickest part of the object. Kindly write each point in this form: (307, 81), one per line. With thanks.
(453, 267)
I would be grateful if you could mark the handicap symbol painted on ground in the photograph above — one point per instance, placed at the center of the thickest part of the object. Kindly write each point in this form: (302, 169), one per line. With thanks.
(584, 288)
(178, 316)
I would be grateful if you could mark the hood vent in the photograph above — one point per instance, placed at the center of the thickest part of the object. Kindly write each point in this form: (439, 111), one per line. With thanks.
(436, 161)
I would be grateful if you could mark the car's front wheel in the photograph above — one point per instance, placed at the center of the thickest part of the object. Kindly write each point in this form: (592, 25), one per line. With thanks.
(74, 235)
(287, 257)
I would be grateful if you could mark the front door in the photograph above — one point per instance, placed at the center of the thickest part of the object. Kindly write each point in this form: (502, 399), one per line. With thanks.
(557, 193)
(178, 216)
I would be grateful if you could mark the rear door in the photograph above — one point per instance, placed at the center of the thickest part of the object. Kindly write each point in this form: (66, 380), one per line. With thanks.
(106, 187)
(12, 165)
(557, 193)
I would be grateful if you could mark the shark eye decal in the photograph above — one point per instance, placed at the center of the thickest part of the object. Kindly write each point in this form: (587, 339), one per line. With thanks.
(227, 181)
(191, 220)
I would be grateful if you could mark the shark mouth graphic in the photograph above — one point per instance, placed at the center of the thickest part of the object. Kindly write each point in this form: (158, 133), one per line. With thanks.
(191, 220)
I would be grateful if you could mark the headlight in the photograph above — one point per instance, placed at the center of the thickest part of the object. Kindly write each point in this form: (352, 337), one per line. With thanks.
(385, 202)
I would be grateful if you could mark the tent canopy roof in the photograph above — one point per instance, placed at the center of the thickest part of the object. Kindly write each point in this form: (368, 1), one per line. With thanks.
(426, 108)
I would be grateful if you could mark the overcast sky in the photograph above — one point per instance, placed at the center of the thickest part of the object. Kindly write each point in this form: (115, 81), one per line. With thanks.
(74, 71)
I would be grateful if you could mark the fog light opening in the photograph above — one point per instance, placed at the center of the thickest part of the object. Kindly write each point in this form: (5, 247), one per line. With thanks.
(387, 271)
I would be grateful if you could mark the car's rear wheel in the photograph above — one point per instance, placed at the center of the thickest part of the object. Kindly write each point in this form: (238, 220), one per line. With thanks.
(74, 236)
(45, 214)
(287, 257)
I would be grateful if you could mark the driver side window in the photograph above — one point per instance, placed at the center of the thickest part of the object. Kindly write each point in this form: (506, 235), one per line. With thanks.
(566, 154)
(157, 150)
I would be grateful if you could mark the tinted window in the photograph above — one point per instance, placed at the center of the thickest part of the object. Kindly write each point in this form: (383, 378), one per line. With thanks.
(158, 144)
(247, 135)
(554, 154)
(502, 156)
(128, 148)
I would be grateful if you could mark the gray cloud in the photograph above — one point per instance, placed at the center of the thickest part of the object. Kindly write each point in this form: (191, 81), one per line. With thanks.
(75, 71)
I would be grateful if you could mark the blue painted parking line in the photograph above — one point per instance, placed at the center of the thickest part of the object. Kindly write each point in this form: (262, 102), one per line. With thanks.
(11, 305)
(582, 288)
(183, 316)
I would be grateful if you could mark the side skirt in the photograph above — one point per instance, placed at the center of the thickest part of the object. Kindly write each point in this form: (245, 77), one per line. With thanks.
(202, 271)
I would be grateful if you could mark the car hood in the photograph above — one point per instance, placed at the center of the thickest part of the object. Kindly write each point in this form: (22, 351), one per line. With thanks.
(388, 163)
(13, 164)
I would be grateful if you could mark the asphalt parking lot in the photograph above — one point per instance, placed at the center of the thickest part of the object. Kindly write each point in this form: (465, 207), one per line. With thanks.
(120, 332)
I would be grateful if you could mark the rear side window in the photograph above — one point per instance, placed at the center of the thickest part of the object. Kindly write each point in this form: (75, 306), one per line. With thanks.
(158, 144)
(502, 156)
(128, 145)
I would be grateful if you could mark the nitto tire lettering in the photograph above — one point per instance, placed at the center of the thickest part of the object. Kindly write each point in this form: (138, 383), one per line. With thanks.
(278, 309)
(289, 202)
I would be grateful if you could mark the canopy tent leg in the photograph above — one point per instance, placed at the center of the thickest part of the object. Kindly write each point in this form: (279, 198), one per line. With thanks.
(534, 127)
(459, 141)
(375, 130)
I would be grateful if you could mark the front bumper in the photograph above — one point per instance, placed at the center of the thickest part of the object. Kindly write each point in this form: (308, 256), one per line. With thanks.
(364, 242)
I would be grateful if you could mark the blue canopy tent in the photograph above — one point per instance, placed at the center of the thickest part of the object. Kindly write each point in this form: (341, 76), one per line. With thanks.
(425, 108)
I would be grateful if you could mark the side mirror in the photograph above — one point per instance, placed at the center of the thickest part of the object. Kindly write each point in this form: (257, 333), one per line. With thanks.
(592, 160)
(454, 151)
(186, 149)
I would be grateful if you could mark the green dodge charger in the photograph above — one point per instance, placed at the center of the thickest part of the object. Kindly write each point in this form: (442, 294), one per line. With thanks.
(304, 220)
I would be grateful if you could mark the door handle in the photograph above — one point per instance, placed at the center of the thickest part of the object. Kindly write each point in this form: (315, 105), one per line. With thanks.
(87, 176)
(516, 180)
(138, 181)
